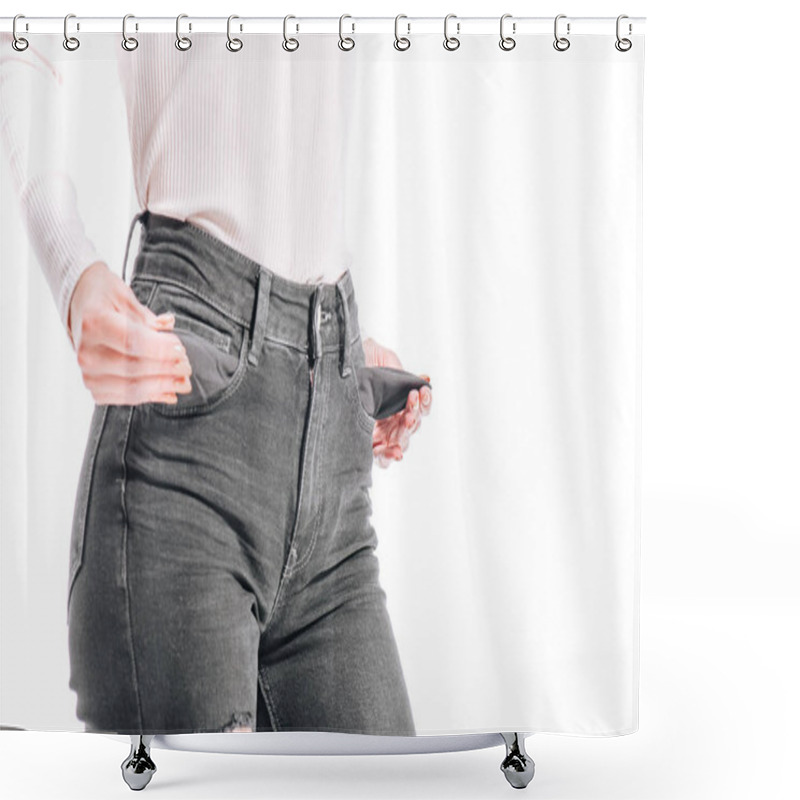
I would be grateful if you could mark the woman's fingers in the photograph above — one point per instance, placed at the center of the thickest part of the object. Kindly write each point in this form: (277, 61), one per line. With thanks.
(391, 440)
(412, 418)
(127, 354)
(128, 336)
(126, 362)
(141, 312)
(425, 400)
(114, 390)
(384, 454)
(103, 360)
(393, 435)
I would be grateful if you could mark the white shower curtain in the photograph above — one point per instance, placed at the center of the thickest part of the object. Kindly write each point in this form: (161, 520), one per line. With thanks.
(491, 206)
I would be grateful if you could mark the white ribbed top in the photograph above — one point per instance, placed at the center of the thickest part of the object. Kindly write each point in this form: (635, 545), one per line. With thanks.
(248, 146)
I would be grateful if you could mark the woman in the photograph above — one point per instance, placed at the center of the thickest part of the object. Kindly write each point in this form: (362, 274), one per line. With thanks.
(223, 574)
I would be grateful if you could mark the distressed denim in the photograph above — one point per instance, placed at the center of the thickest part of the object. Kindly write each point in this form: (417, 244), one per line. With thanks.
(222, 563)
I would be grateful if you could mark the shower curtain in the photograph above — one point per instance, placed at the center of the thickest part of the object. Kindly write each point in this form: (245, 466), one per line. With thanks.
(486, 204)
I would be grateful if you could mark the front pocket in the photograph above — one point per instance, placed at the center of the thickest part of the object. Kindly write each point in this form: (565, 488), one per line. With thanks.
(216, 347)
(365, 419)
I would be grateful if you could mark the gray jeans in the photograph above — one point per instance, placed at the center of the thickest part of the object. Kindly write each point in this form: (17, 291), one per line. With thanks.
(222, 564)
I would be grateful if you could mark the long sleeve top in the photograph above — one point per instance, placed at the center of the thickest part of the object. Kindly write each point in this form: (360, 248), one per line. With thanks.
(247, 146)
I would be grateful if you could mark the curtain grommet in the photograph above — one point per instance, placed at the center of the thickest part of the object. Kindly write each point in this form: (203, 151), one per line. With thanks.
(561, 43)
(507, 42)
(451, 42)
(183, 43)
(401, 43)
(70, 43)
(233, 44)
(623, 44)
(289, 48)
(128, 43)
(17, 40)
(342, 39)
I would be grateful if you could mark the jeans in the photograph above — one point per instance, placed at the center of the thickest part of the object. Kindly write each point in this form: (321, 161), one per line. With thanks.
(222, 562)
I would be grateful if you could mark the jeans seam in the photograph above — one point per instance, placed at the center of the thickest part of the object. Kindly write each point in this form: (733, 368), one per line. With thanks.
(212, 302)
(232, 251)
(268, 699)
(332, 348)
(149, 299)
(311, 545)
(365, 420)
(364, 424)
(91, 480)
(124, 569)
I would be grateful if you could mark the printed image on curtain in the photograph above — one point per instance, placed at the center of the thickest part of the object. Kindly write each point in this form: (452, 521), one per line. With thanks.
(232, 285)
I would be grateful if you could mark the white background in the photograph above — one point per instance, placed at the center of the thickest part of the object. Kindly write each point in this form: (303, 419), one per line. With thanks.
(721, 474)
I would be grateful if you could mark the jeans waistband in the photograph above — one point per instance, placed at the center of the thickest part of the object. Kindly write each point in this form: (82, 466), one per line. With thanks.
(271, 306)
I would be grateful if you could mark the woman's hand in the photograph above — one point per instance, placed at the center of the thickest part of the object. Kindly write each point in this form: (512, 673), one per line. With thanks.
(126, 353)
(391, 436)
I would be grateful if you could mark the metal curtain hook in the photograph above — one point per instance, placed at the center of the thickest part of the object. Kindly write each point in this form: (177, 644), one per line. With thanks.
(451, 42)
(623, 45)
(181, 42)
(561, 43)
(286, 45)
(70, 42)
(401, 43)
(19, 43)
(234, 45)
(342, 40)
(128, 42)
(506, 42)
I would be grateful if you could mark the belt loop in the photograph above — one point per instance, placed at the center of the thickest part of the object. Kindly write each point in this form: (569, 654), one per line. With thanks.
(314, 345)
(128, 244)
(258, 329)
(344, 339)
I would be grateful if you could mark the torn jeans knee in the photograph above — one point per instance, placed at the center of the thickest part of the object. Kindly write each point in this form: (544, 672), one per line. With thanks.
(241, 719)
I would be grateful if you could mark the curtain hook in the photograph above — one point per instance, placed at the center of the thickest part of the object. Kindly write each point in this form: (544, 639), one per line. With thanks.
(128, 42)
(19, 43)
(506, 42)
(623, 45)
(234, 45)
(560, 40)
(451, 42)
(70, 42)
(286, 40)
(347, 39)
(181, 42)
(406, 42)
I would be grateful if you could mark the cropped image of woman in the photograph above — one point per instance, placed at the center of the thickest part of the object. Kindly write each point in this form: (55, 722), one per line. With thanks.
(223, 574)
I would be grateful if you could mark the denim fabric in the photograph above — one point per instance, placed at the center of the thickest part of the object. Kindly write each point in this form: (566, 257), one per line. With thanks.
(222, 564)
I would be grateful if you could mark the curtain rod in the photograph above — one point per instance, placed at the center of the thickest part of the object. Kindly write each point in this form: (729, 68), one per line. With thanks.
(352, 24)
